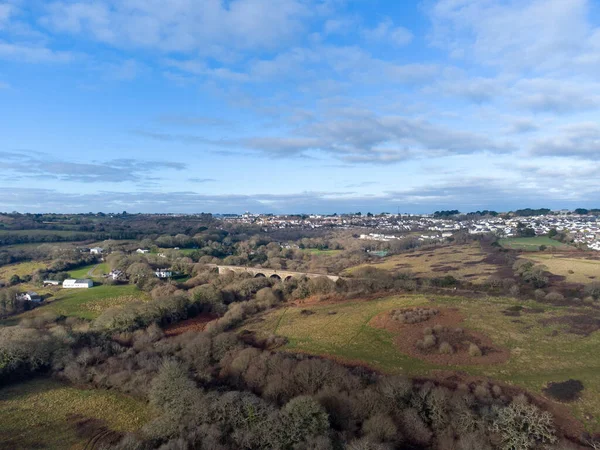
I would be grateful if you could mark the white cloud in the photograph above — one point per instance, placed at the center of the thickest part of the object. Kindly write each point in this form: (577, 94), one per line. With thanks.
(581, 140)
(386, 32)
(6, 10)
(33, 53)
(182, 26)
(114, 171)
(343, 25)
(532, 34)
(557, 95)
(356, 136)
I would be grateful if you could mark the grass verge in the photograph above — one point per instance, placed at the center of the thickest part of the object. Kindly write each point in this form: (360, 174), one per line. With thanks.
(35, 414)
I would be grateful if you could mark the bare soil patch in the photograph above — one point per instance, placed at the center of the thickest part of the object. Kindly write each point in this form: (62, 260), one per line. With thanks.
(95, 431)
(445, 326)
(566, 391)
(442, 268)
(196, 324)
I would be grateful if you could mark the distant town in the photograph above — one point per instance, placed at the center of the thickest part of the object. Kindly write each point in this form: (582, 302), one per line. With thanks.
(581, 226)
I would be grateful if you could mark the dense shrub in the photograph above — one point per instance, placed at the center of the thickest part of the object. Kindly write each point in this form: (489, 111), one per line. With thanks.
(413, 315)
(554, 297)
(522, 425)
(593, 290)
(474, 350)
(446, 348)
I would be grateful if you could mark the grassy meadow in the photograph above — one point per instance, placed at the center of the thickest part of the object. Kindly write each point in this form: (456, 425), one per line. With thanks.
(91, 271)
(20, 269)
(39, 414)
(316, 251)
(466, 262)
(532, 244)
(575, 270)
(83, 303)
(538, 353)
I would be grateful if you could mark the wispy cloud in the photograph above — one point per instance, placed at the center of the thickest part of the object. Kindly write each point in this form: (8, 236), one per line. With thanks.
(201, 180)
(387, 32)
(113, 171)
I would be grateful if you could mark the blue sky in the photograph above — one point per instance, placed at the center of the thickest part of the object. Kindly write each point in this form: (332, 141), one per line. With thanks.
(299, 105)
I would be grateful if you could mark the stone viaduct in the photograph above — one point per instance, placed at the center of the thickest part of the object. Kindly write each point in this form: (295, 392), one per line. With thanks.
(284, 275)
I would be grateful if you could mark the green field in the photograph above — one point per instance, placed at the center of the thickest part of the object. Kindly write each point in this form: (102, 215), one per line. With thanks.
(91, 271)
(316, 251)
(83, 303)
(90, 303)
(20, 269)
(39, 414)
(532, 243)
(538, 354)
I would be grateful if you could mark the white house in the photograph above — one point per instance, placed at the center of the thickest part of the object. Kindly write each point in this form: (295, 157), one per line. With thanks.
(78, 284)
(96, 250)
(143, 250)
(163, 273)
(117, 275)
(30, 297)
(51, 283)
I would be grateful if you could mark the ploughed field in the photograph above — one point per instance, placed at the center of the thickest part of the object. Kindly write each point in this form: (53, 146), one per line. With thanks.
(522, 343)
(43, 413)
(468, 262)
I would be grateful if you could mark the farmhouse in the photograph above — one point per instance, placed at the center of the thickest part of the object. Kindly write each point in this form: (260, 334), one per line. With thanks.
(117, 275)
(143, 250)
(163, 273)
(30, 297)
(96, 250)
(78, 284)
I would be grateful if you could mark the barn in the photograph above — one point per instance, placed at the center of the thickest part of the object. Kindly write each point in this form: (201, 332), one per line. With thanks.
(78, 284)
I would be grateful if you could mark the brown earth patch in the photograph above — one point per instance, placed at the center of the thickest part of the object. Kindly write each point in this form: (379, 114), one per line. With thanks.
(196, 324)
(442, 268)
(95, 431)
(474, 263)
(447, 322)
(580, 324)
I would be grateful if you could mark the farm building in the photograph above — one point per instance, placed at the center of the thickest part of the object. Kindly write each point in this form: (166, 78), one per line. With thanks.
(117, 275)
(96, 250)
(78, 284)
(51, 283)
(30, 297)
(142, 250)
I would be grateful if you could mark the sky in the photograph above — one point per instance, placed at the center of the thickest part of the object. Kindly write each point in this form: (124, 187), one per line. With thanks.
(290, 106)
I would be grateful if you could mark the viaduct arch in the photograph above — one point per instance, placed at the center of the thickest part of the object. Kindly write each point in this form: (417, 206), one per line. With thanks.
(283, 275)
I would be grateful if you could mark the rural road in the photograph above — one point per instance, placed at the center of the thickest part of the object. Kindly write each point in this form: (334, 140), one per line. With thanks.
(91, 271)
